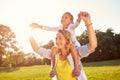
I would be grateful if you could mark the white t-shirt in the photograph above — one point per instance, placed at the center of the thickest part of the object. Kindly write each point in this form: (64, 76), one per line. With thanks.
(71, 28)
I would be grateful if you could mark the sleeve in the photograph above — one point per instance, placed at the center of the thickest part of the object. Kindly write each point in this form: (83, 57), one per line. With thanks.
(75, 25)
(46, 53)
(84, 51)
(50, 28)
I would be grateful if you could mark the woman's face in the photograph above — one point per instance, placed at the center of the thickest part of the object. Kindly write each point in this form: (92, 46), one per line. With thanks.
(60, 40)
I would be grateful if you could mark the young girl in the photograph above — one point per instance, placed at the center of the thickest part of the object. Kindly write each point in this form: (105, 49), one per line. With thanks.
(84, 50)
(67, 23)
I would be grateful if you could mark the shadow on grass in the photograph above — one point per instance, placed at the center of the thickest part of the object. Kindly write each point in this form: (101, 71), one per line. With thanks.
(103, 63)
(8, 69)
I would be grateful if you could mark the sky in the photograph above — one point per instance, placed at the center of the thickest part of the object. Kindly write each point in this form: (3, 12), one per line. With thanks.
(19, 14)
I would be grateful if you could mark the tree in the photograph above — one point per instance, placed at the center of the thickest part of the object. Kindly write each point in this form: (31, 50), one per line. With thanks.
(49, 45)
(8, 43)
(83, 38)
(108, 45)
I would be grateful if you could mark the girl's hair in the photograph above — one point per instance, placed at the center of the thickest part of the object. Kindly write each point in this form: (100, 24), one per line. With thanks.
(71, 16)
(68, 38)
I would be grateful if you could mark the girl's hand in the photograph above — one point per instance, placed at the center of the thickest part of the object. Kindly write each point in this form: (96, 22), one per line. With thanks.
(35, 25)
(76, 71)
(86, 17)
(52, 73)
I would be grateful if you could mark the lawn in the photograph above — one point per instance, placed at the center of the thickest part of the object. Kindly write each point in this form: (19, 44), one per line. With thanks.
(105, 70)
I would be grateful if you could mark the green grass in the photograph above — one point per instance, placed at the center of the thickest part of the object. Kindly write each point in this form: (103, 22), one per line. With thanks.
(105, 70)
(38, 72)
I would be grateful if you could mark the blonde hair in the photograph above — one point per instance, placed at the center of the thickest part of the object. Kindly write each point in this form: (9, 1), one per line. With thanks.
(68, 38)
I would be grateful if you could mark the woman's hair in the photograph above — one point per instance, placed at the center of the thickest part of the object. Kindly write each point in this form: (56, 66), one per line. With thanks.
(68, 38)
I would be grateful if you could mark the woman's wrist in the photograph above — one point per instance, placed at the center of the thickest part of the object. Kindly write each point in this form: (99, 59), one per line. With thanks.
(88, 24)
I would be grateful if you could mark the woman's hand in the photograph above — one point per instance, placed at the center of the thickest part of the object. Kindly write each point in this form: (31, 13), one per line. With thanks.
(86, 18)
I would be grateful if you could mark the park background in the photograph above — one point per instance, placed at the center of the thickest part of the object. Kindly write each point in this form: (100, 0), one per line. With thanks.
(19, 62)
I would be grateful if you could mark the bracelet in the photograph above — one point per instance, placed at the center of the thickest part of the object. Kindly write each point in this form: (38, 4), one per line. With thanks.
(88, 24)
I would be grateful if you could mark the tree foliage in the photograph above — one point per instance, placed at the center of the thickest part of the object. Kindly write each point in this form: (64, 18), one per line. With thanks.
(108, 45)
(8, 46)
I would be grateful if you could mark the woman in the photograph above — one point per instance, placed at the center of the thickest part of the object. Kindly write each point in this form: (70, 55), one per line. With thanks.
(84, 50)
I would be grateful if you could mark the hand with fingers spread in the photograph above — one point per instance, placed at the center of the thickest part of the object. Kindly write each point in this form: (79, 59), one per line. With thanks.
(35, 25)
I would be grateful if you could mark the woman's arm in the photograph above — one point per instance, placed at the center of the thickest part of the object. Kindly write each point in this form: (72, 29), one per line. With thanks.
(46, 53)
(92, 38)
(91, 34)
(34, 44)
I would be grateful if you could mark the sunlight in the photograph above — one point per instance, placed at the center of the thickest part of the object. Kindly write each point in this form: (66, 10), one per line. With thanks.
(18, 16)
(23, 33)
(42, 36)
